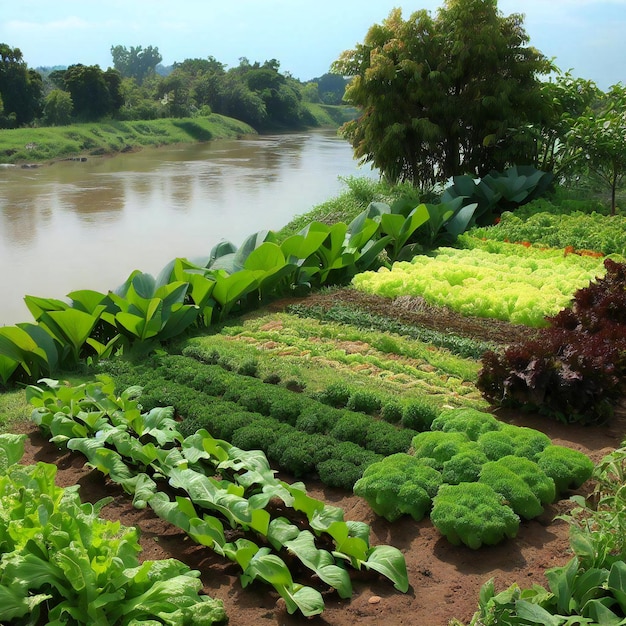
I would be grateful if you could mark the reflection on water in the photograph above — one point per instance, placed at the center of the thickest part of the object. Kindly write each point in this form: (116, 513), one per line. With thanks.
(87, 225)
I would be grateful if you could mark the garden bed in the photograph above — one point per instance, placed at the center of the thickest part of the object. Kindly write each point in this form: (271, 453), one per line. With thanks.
(445, 580)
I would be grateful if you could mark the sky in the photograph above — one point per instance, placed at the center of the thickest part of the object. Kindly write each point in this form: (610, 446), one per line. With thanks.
(584, 36)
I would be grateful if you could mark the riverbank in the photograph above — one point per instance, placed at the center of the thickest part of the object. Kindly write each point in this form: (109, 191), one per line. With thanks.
(22, 146)
(34, 145)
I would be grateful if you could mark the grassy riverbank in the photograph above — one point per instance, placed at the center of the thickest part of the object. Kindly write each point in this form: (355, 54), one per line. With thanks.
(31, 145)
(27, 145)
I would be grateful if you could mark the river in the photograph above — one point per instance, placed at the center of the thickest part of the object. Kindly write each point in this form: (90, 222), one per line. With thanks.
(87, 225)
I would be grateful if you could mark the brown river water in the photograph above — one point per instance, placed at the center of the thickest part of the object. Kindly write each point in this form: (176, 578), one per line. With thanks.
(75, 225)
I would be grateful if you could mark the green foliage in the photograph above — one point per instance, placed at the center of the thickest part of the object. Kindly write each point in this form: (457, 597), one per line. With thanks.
(509, 439)
(580, 231)
(136, 62)
(21, 89)
(400, 71)
(221, 483)
(491, 279)
(471, 422)
(598, 140)
(399, 484)
(437, 446)
(69, 561)
(464, 466)
(568, 468)
(512, 487)
(473, 514)
(58, 108)
(498, 192)
(588, 589)
(419, 414)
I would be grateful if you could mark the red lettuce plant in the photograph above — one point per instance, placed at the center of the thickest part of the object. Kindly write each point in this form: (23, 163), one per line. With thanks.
(575, 369)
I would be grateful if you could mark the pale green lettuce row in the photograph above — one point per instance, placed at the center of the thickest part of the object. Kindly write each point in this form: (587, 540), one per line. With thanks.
(522, 289)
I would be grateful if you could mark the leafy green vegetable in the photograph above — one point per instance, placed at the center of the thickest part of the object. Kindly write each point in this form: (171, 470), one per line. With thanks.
(473, 514)
(399, 484)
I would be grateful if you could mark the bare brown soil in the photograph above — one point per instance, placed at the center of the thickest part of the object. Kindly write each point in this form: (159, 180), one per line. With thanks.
(445, 580)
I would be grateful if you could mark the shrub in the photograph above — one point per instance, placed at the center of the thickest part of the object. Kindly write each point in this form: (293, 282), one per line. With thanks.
(385, 439)
(513, 440)
(285, 405)
(351, 427)
(512, 488)
(466, 420)
(339, 473)
(465, 465)
(258, 435)
(391, 412)
(298, 453)
(317, 418)
(336, 394)
(438, 446)
(249, 367)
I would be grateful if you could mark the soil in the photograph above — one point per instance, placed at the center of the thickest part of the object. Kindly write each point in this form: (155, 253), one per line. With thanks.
(445, 580)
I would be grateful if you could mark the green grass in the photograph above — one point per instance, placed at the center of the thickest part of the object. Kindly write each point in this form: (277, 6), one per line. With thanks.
(13, 408)
(44, 144)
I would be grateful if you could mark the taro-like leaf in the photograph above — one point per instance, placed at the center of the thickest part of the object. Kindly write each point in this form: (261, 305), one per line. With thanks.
(390, 562)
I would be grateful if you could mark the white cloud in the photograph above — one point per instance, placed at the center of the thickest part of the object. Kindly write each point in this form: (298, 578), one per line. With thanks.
(68, 23)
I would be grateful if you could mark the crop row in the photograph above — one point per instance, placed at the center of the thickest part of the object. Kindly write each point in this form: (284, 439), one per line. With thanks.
(61, 562)
(574, 369)
(395, 368)
(604, 234)
(214, 483)
(502, 281)
(477, 474)
(465, 347)
(145, 311)
(301, 435)
(591, 587)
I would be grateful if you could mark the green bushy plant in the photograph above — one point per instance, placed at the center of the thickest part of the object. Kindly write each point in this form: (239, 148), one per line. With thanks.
(399, 484)
(473, 514)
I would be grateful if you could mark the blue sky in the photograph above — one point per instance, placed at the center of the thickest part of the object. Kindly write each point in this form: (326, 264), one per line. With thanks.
(586, 36)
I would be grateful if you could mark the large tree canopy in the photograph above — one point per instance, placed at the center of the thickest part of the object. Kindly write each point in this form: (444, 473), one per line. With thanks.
(136, 62)
(21, 88)
(444, 95)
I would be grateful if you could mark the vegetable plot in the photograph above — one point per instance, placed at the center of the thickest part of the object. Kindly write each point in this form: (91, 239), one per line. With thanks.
(478, 475)
(387, 365)
(504, 281)
(61, 562)
(215, 486)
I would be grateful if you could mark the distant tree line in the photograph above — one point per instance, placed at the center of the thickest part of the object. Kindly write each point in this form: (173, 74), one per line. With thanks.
(139, 87)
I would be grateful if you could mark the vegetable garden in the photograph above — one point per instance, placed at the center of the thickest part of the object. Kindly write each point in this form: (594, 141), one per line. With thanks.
(224, 401)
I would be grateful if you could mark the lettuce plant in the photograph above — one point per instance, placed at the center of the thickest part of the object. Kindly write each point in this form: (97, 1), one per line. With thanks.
(60, 560)
(473, 514)
(399, 484)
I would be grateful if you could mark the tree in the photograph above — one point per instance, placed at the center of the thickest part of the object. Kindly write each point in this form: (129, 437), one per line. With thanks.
(567, 98)
(598, 140)
(95, 94)
(58, 108)
(21, 88)
(441, 96)
(137, 63)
